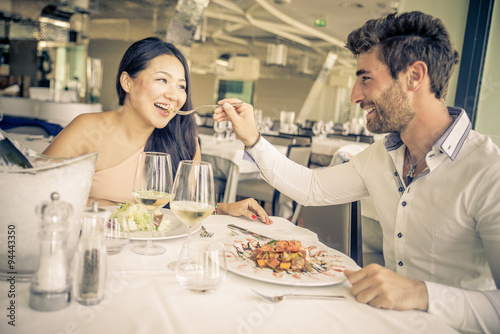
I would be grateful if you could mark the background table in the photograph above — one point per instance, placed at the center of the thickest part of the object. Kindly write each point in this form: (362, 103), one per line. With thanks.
(233, 150)
(143, 296)
(324, 150)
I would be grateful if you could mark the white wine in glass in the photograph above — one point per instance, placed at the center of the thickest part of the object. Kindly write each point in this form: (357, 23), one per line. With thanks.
(191, 213)
(153, 190)
(193, 193)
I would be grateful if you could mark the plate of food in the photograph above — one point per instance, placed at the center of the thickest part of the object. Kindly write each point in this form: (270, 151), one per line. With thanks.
(286, 262)
(166, 225)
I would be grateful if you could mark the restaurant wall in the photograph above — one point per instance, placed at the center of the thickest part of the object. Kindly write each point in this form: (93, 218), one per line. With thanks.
(110, 52)
(270, 94)
(488, 116)
(203, 89)
(275, 94)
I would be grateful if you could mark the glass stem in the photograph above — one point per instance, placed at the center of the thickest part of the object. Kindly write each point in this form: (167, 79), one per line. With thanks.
(189, 241)
(149, 242)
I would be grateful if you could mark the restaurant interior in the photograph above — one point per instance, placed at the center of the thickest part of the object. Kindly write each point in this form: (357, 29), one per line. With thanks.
(58, 59)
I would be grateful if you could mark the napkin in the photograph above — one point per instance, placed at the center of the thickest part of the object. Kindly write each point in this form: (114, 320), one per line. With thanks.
(288, 231)
(280, 229)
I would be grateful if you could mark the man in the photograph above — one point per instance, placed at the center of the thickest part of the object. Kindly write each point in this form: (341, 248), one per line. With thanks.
(433, 181)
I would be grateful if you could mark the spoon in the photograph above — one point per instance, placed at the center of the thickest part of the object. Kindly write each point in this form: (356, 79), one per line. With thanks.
(277, 299)
(213, 106)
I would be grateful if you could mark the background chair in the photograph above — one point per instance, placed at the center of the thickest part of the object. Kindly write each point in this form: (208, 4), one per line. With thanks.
(261, 191)
(340, 226)
(226, 175)
(279, 140)
(285, 139)
(337, 226)
(14, 124)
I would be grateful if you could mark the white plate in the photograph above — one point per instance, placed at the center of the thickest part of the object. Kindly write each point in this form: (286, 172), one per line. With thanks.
(328, 264)
(177, 228)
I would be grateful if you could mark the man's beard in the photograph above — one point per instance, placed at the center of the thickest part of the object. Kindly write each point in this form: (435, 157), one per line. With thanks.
(393, 111)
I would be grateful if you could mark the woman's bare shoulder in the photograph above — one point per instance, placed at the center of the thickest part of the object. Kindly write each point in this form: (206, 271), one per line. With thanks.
(82, 135)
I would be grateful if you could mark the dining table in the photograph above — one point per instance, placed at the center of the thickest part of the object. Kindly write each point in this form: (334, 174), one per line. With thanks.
(142, 295)
(324, 150)
(233, 149)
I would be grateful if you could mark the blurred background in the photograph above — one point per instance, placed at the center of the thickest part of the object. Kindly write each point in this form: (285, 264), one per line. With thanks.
(280, 55)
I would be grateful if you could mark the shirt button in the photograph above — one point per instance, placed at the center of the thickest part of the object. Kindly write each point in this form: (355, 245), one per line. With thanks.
(400, 263)
(403, 204)
(400, 235)
(400, 189)
(396, 174)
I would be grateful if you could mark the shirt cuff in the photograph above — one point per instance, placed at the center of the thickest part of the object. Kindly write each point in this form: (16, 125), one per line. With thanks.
(451, 305)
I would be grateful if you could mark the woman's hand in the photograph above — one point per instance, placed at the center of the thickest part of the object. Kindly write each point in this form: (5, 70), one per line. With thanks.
(242, 118)
(248, 208)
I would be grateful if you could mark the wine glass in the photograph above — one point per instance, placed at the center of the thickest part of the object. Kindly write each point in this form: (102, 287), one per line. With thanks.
(317, 128)
(220, 128)
(229, 130)
(152, 189)
(117, 235)
(193, 193)
(201, 267)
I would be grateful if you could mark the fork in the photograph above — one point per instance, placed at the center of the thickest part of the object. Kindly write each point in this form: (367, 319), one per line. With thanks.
(204, 233)
(277, 299)
(213, 106)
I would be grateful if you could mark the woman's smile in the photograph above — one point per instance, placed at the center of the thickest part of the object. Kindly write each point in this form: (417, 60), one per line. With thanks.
(164, 109)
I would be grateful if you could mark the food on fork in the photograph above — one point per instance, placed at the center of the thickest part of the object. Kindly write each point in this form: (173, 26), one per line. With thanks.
(281, 255)
(167, 107)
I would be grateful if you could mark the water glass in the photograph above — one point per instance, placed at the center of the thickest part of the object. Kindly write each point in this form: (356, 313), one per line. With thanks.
(220, 129)
(201, 267)
(287, 120)
(117, 235)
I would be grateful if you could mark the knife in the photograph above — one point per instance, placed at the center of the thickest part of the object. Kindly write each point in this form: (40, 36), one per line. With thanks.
(245, 231)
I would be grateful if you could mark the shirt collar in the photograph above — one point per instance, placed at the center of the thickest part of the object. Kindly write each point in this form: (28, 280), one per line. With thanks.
(451, 140)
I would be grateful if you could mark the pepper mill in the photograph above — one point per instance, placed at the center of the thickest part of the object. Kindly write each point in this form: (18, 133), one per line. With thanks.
(90, 264)
(50, 288)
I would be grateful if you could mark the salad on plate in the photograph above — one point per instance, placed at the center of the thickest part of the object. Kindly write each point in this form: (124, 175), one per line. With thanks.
(137, 218)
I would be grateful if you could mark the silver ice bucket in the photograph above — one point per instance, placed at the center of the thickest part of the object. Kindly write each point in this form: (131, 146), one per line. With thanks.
(21, 190)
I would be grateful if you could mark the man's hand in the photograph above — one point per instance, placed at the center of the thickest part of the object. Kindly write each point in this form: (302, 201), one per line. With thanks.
(382, 288)
(242, 118)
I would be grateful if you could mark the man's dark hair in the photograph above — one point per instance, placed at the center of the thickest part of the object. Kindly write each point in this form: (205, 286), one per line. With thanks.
(406, 38)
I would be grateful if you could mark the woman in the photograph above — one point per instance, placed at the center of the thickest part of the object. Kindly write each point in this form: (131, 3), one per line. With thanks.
(152, 83)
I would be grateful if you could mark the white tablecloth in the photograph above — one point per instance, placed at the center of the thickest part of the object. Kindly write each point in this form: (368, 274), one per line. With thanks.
(324, 150)
(143, 296)
(232, 150)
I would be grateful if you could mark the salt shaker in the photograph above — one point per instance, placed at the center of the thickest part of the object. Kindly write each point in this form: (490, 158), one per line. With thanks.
(50, 288)
(90, 262)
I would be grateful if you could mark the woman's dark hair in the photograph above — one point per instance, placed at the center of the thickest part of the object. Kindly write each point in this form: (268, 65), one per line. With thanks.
(178, 138)
(406, 38)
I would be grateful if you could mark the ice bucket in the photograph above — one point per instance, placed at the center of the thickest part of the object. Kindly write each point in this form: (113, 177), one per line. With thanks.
(21, 190)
